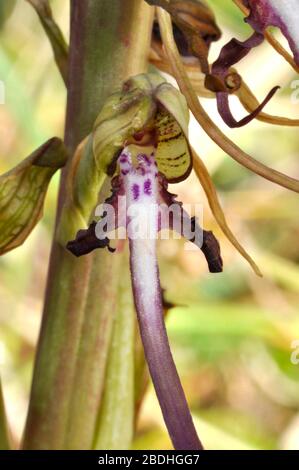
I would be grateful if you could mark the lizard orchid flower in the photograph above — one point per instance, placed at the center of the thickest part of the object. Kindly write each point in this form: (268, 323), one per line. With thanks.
(140, 141)
(194, 29)
(149, 158)
(137, 146)
(261, 14)
(145, 195)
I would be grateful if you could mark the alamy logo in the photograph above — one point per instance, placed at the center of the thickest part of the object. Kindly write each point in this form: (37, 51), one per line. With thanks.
(139, 222)
(295, 353)
(295, 93)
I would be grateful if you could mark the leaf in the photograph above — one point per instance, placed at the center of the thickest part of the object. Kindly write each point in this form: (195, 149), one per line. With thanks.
(23, 190)
(56, 38)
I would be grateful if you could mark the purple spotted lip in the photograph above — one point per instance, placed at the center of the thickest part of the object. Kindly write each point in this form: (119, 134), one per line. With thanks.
(144, 187)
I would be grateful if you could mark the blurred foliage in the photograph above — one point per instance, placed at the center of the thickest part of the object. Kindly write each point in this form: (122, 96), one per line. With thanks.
(231, 333)
(6, 9)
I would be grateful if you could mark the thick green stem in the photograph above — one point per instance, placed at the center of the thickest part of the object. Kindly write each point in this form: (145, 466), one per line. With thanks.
(95, 340)
(4, 435)
(109, 42)
(116, 418)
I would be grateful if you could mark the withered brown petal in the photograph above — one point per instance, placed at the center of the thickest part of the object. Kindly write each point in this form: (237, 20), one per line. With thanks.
(86, 241)
(211, 250)
(194, 27)
(230, 54)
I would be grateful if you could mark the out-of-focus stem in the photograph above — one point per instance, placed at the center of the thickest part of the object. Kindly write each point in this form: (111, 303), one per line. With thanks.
(109, 42)
(116, 418)
(4, 437)
(93, 350)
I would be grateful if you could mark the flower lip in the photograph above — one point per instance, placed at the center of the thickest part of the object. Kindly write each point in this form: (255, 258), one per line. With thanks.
(140, 191)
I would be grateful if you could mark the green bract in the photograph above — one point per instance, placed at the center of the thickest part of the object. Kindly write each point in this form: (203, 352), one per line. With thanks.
(23, 190)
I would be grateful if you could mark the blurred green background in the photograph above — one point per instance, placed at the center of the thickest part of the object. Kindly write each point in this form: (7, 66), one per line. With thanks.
(232, 333)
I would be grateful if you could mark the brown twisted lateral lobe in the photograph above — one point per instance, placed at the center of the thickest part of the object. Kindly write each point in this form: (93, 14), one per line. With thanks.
(86, 241)
(207, 85)
(210, 248)
(231, 54)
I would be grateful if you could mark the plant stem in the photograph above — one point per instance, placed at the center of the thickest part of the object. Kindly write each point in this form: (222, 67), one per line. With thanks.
(4, 434)
(116, 419)
(109, 42)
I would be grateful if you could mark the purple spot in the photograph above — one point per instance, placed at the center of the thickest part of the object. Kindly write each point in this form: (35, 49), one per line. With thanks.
(135, 191)
(123, 159)
(125, 172)
(147, 187)
(145, 158)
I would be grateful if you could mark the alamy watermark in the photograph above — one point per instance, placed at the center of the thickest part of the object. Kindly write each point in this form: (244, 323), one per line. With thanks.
(295, 93)
(150, 221)
(295, 352)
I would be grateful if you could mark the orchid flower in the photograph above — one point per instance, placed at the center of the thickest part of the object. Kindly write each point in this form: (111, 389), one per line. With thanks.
(150, 157)
(140, 141)
(263, 13)
(145, 191)
(180, 73)
(139, 144)
(194, 24)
